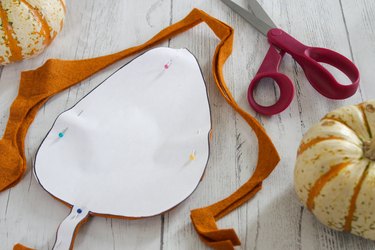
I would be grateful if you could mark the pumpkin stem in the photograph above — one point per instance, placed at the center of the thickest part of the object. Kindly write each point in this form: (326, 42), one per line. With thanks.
(369, 148)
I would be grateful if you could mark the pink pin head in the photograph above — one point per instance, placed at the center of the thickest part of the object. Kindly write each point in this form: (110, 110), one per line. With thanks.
(168, 64)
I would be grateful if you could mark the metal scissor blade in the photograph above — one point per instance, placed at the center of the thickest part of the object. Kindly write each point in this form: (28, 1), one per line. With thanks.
(258, 10)
(259, 24)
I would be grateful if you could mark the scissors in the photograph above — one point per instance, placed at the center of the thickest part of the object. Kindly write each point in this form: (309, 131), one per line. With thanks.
(307, 57)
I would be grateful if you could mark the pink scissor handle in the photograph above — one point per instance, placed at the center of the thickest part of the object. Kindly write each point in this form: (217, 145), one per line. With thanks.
(269, 69)
(309, 57)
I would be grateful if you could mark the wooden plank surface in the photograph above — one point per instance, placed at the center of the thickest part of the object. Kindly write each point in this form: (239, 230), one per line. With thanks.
(274, 219)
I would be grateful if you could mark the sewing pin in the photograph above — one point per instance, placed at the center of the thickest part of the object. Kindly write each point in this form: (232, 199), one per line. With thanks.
(168, 64)
(62, 133)
(192, 156)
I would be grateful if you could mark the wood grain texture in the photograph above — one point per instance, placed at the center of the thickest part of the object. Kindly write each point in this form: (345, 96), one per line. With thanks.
(274, 219)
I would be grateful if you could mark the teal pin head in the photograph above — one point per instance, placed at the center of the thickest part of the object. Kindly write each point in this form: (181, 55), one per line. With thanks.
(62, 133)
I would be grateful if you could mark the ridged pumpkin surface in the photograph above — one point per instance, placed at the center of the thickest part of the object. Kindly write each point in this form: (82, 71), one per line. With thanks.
(333, 177)
(28, 26)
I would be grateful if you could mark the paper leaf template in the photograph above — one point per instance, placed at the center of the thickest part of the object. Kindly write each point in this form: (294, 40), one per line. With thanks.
(136, 146)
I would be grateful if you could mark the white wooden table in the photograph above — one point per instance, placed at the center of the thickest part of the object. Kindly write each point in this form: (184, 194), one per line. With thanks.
(274, 219)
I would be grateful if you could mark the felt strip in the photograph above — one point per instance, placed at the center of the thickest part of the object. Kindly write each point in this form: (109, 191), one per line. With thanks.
(21, 247)
(37, 86)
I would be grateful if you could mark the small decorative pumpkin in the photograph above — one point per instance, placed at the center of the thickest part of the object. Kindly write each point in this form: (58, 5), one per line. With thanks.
(28, 26)
(335, 169)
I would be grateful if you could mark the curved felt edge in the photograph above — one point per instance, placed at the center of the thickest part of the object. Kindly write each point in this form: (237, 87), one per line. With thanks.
(50, 74)
(204, 219)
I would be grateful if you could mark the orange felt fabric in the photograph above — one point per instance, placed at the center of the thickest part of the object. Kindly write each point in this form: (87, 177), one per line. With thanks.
(37, 86)
(21, 247)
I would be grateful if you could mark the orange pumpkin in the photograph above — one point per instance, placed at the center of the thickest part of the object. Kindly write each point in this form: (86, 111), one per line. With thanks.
(28, 26)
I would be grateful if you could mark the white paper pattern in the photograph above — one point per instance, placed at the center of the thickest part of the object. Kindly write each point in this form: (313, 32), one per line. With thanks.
(125, 149)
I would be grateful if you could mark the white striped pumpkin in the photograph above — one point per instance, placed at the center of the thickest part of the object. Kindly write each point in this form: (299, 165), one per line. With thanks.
(28, 26)
(335, 169)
